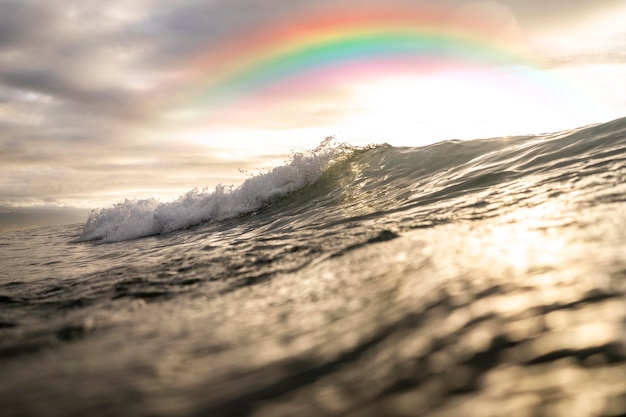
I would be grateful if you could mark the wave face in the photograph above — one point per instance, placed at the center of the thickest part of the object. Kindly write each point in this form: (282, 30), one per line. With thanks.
(443, 181)
(457, 279)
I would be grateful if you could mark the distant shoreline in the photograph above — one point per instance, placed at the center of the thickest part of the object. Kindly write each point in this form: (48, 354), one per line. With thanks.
(25, 218)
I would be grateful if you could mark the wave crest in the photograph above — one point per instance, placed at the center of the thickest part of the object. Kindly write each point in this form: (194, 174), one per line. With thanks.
(137, 218)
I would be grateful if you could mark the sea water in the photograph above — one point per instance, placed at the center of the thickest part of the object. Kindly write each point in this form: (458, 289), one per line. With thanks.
(464, 278)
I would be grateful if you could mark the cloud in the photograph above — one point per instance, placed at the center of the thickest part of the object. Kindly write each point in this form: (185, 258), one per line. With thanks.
(71, 53)
(81, 82)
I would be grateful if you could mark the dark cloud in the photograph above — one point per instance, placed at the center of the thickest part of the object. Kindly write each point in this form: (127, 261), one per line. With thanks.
(59, 49)
(22, 22)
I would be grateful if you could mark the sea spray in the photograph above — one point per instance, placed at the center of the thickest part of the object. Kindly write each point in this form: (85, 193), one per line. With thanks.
(144, 217)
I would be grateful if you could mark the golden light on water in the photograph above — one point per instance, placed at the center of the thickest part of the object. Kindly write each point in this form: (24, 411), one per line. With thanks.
(524, 240)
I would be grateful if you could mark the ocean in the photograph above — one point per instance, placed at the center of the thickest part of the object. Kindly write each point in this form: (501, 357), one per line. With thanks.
(464, 278)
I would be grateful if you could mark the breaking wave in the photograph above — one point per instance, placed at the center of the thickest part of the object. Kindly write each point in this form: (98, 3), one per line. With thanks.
(344, 181)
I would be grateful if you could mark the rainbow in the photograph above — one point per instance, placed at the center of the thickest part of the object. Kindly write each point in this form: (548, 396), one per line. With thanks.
(307, 52)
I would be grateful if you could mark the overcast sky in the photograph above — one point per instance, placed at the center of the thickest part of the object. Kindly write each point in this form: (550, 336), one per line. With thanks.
(82, 82)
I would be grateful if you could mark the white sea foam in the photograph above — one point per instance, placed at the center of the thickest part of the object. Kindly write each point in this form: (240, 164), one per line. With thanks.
(136, 218)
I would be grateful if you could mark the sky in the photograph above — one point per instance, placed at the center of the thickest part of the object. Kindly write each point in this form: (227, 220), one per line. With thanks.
(103, 101)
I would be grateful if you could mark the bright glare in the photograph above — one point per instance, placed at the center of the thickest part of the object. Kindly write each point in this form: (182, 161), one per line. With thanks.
(415, 112)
